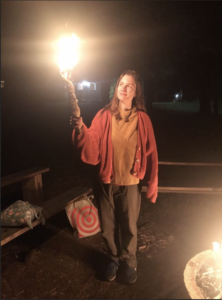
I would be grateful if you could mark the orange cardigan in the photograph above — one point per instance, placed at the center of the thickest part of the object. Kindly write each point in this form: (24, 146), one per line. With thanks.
(94, 145)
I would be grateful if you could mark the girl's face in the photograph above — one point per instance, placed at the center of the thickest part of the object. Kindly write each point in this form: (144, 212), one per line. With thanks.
(126, 90)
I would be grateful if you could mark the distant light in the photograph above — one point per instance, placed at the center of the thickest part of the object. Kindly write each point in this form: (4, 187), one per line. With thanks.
(86, 83)
(177, 95)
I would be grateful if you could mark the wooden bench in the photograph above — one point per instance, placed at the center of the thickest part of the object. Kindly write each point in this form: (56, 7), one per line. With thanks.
(188, 190)
(32, 189)
(51, 207)
(31, 180)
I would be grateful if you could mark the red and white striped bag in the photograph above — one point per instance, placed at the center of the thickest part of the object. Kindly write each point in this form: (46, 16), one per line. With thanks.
(83, 216)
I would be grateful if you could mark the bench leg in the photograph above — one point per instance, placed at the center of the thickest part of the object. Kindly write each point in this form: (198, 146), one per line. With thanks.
(32, 190)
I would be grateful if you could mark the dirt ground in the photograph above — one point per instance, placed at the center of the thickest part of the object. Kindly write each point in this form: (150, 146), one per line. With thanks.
(50, 262)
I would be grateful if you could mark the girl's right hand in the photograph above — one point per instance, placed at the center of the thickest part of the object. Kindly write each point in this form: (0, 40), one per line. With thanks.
(76, 122)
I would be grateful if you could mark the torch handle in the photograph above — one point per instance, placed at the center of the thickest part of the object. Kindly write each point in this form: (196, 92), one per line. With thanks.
(74, 102)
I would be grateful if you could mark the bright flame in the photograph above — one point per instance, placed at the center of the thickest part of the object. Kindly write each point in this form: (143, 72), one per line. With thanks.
(68, 52)
(216, 246)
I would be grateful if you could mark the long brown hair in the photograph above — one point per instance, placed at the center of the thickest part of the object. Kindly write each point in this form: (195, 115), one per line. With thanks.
(138, 100)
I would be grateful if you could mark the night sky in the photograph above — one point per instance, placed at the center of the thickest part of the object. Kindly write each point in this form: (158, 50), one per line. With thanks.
(115, 35)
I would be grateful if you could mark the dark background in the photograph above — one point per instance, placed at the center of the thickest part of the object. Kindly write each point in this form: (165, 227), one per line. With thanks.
(172, 44)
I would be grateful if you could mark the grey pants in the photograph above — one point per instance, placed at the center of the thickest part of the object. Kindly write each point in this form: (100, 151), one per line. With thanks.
(119, 208)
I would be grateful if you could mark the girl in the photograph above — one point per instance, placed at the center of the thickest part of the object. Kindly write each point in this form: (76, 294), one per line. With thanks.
(121, 145)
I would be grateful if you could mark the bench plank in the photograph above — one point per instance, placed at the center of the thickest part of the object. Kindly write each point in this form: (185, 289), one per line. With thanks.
(173, 163)
(187, 190)
(20, 176)
(51, 207)
(54, 205)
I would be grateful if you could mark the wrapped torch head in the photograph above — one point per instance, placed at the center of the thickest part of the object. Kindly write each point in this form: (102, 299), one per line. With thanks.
(67, 59)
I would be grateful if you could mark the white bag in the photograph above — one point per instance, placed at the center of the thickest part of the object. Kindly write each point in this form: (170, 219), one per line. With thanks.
(83, 216)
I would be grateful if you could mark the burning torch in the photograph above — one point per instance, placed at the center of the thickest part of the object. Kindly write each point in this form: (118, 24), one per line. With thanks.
(67, 59)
